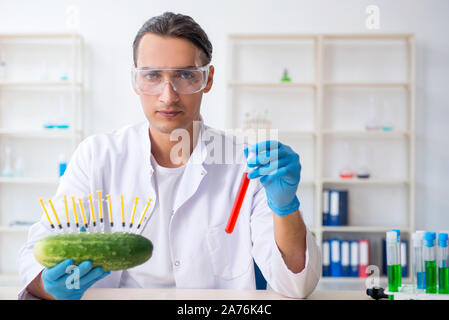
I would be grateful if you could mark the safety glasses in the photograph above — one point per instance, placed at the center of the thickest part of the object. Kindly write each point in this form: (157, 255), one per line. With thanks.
(151, 81)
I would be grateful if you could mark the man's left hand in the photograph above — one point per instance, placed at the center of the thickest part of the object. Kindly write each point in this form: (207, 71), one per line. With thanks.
(280, 171)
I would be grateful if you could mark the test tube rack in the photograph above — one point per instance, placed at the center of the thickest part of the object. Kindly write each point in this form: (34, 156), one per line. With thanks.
(409, 292)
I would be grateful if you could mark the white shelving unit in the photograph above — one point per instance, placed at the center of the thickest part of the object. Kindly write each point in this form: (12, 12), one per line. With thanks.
(332, 76)
(44, 72)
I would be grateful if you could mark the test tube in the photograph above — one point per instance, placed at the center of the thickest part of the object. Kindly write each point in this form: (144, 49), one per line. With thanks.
(393, 262)
(443, 264)
(419, 280)
(398, 254)
(237, 203)
(430, 262)
(239, 199)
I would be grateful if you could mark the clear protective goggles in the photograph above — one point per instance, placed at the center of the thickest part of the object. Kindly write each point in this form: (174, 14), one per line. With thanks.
(152, 81)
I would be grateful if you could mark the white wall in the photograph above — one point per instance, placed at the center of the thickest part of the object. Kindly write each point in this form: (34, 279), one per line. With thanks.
(109, 28)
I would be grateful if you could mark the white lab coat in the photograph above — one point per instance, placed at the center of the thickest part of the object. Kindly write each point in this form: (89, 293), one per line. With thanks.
(203, 255)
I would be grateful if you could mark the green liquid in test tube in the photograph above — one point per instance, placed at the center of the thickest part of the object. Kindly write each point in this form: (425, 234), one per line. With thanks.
(443, 264)
(431, 276)
(430, 262)
(394, 282)
(393, 263)
(443, 280)
(398, 268)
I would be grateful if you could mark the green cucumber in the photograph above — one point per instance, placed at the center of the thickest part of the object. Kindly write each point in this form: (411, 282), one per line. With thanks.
(111, 251)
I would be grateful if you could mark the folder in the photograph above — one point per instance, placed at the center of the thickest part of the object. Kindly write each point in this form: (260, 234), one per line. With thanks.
(354, 258)
(335, 258)
(326, 259)
(325, 207)
(363, 257)
(404, 258)
(384, 257)
(338, 207)
(345, 265)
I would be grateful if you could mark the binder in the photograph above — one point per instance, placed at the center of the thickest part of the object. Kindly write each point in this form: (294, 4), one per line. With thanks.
(345, 266)
(338, 207)
(326, 259)
(354, 271)
(404, 258)
(363, 257)
(335, 258)
(384, 257)
(325, 207)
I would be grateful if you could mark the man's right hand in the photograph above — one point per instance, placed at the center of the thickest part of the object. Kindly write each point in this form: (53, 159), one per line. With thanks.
(64, 284)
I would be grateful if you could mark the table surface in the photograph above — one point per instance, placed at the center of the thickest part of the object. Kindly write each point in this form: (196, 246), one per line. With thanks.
(10, 293)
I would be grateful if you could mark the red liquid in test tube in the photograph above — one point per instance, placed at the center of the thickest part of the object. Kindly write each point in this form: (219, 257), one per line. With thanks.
(237, 203)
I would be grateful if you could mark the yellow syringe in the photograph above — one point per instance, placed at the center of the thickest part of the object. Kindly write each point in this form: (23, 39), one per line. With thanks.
(134, 211)
(54, 212)
(82, 211)
(66, 211)
(110, 210)
(75, 213)
(92, 210)
(123, 211)
(46, 213)
(143, 213)
(100, 208)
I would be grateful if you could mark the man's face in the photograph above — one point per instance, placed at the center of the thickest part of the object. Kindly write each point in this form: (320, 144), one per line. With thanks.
(170, 110)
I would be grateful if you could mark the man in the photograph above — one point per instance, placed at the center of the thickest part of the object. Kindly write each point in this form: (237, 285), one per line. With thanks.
(193, 194)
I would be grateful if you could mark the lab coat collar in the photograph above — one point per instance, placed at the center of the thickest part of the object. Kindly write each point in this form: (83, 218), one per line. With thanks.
(194, 168)
(198, 155)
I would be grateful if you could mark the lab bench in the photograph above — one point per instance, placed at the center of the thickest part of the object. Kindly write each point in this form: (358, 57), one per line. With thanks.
(196, 294)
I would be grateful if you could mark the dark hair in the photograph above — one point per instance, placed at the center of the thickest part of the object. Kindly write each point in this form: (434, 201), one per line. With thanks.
(178, 26)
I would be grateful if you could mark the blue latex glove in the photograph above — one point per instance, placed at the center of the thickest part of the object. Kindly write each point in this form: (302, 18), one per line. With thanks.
(280, 171)
(57, 284)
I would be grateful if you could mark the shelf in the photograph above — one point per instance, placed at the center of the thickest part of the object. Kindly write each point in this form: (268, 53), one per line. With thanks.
(29, 180)
(10, 280)
(369, 181)
(272, 84)
(307, 182)
(41, 134)
(8, 229)
(296, 133)
(58, 84)
(372, 229)
(40, 35)
(349, 279)
(272, 36)
(386, 67)
(368, 36)
(366, 133)
(367, 84)
(58, 54)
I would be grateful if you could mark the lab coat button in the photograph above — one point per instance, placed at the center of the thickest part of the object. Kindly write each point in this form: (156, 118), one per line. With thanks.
(202, 172)
(177, 263)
